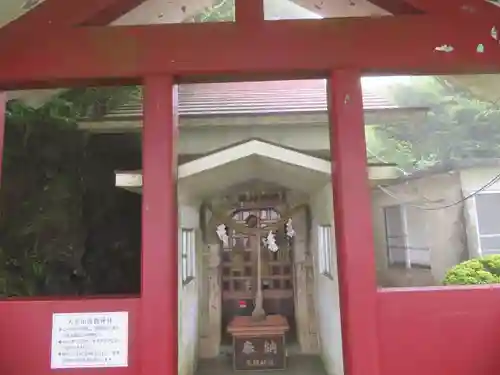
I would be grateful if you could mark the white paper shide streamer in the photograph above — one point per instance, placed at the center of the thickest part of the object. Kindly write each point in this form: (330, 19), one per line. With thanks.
(290, 232)
(222, 234)
(271, 242)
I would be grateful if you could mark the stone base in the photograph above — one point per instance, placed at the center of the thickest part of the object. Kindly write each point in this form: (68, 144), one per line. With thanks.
(259, 345)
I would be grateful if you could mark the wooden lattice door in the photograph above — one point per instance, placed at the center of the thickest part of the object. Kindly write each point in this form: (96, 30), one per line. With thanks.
(239, 270)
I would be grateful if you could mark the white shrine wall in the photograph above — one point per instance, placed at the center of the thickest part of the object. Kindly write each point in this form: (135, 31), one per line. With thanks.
(188, 302)
(326, 288)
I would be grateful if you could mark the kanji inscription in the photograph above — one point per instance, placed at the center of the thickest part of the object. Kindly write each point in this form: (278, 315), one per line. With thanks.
(89, 340)
(259, 353)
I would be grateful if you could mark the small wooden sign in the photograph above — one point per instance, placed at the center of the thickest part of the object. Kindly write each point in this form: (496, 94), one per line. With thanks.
(259, 353)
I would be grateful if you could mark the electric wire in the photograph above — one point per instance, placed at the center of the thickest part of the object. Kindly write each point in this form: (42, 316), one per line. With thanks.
(394, 196)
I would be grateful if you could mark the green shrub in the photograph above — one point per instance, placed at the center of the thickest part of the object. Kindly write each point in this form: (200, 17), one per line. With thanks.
(485, 270)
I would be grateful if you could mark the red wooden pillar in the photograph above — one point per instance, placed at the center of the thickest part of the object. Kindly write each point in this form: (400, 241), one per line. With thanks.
(3, 102)
(353, 225)
(158, 318)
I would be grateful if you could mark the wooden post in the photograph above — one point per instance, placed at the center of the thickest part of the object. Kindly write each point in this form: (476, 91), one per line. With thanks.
(258, 313)
(158, 318)
(353, 225)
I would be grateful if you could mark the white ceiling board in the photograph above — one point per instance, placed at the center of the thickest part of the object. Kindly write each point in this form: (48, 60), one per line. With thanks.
(254, 160)
(13, 9)
(210, 182)
(342, 8)
(251, 148)
(162, 11)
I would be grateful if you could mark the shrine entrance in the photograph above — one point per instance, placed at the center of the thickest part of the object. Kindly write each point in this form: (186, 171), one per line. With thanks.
(240, 261)
(260, 274)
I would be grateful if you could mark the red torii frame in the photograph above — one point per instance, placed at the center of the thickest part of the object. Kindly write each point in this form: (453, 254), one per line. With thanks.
(161, 55)
(402, 44)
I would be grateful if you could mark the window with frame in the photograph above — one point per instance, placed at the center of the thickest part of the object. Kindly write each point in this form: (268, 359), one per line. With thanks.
(488, 223)
(188, 255)
(406, 237)
(325, 250)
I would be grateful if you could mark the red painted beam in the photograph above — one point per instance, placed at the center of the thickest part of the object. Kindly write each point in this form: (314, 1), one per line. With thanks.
(112, 12)
(397, 7)
(67, 13)
(249, 12)
(62, 13)
(158, 318)
(400, 45)
(353, 225)
(452, 7)
(445, 7)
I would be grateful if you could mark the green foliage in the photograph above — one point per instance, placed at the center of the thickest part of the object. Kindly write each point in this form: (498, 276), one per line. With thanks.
(220, 11)
(457, 127)
(64, 109)
(478, 271)
(382, 148)
(44, 184)
(40, 201)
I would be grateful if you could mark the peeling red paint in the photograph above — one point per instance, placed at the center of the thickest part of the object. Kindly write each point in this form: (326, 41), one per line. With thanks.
(399, 45)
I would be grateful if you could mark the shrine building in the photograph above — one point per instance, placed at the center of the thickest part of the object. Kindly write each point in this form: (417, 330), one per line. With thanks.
(266, 220)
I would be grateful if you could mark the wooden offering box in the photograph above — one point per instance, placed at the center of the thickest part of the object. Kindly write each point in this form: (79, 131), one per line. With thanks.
(259, 345)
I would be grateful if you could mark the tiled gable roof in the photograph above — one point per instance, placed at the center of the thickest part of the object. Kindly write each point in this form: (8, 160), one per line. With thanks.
(237, 98)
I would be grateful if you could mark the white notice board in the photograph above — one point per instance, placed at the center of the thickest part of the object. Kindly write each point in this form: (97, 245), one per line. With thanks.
(89, 340)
